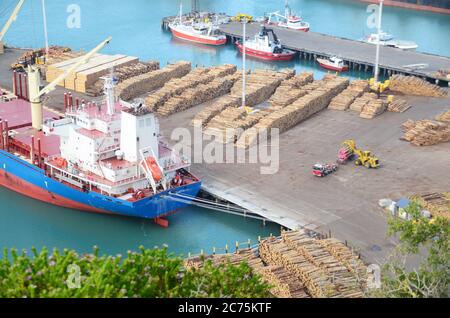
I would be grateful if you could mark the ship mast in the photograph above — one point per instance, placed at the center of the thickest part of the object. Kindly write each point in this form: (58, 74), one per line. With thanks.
(109, 93)
(287, 9)
(243, 61)
(44, 15)
(377, 55)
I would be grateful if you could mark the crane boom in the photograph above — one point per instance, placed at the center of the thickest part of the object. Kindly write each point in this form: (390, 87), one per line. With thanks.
(66, 73)
(11, 19)
(35, 92)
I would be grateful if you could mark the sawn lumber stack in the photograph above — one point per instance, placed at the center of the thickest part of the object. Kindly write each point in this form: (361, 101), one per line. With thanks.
(412, 85)
(427, 132)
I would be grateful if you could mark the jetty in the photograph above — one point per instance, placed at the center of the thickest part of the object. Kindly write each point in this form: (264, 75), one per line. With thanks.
(359, 55)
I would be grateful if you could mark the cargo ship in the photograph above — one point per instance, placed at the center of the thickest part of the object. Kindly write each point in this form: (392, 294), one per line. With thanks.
(106, 158)
(263, 48)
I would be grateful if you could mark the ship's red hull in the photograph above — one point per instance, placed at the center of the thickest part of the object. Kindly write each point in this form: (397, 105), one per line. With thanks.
(197, 39)
(334, 68)
(266, 55)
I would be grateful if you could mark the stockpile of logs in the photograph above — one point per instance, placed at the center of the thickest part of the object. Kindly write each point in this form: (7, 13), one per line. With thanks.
(141, 84)
(346, 98)
(373, 108)
(285, 285)
(444, 117)
(362, 101)
(178, 86)
(291, 115)
(123, 73)
(412, 85)
(437, 203)
(290, 90)
(198, 95)
(398, 105)
(208, 113)
(426, 132)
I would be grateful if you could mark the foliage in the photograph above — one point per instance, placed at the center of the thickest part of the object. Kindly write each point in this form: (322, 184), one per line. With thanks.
(147, 273)
(418, 236)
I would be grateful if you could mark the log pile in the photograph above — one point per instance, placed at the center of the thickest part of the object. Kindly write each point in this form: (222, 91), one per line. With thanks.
(347, 97)
(141, 84)
(290, 90)
(198, 95)
(412, 85)
(285, 285)
(362, 101)
(437, 203)
(373, 108)
(208, 113)
(123, 73)
(426, 132)
(291, 115)
(398, 105)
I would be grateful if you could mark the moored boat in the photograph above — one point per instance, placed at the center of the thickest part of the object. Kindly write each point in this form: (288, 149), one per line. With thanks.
(333, 63)
(263, 48)
(387, 39)
(289, 20)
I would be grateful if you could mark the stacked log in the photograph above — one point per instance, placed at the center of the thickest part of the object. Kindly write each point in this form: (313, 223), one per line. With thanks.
(437, 203)
(347, 97)
(412, 85)
(141, 84)
(444, 117)
(398, 105)
(426, 132)
(208, 113)
(291, 115)
(362, 101)
(373, 108)
(123, 73)
(285, 285)
(290, 90)
(198, 95)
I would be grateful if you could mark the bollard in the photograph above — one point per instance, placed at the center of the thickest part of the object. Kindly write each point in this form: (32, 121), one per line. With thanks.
(214, 251)
(226, 248)
(249, 243)
(259, 239)
(237, 247)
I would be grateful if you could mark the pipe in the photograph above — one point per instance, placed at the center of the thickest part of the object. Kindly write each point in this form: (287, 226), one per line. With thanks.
(32, 150)
(15, 83)
(1, 134)
(39, 153)
(65, 102)
(77, 102)
(6, 136)
(20, 86)
(26, 86)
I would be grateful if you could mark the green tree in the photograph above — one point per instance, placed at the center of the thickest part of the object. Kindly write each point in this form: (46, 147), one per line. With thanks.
(430, 240)
(147, 273)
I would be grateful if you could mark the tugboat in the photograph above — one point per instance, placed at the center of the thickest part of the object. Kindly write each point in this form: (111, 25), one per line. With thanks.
(333, 63)
(198, 32)
(387, 39)
(289, 20)
(263, 48)
(105, 158)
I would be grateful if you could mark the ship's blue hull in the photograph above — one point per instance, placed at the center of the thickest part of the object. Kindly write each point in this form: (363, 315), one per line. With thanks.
(20, 176)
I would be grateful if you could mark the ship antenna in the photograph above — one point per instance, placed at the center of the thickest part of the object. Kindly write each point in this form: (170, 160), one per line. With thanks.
(109, 92)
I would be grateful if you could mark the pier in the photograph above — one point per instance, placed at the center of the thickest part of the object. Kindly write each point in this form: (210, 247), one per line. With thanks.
(358, 55)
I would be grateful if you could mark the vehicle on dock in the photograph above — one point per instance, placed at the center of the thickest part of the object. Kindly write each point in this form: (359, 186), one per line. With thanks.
(106, 158)
(322, 170)
(387, 39)
(263, 48)
(333, 63)
(203, 32)
(241, 17)
(348, 151)
(289, 20)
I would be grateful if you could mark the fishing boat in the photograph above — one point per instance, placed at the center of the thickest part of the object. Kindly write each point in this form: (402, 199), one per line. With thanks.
(387, 39)
(289, 20)
(197, 31)
(333, 63)
(105, 158)
(263, 48)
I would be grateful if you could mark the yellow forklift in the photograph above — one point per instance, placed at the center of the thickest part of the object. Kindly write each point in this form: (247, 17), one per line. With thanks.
(364, 158)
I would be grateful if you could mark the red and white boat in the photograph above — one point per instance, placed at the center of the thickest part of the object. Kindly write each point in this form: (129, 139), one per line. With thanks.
(204, 33)
(263, 48)
(333, 63)
(289, 20)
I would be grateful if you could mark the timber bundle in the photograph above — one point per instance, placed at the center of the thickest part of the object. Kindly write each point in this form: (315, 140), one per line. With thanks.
(373, 108)
(123, 73)
(199, 86)
(348, 96)
(413, 85)
(437, 203)
(299, 266)
(141, 84)
(362, 101)
(428, 132)
(398, 105)
(290, 90)
(300, 110)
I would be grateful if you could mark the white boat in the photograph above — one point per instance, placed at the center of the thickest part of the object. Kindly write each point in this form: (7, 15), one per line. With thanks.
(289, 20)
(387, 39)
(333, 63)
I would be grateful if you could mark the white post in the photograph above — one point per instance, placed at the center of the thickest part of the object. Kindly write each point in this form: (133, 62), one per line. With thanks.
(377, 56)
(44, 14)
(243, 62)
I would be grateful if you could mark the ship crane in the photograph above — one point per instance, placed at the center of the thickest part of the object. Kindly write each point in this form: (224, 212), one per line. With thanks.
(8, 23)
(35, 92)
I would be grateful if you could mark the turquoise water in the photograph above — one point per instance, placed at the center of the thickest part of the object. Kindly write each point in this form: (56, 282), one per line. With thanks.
(135, 27)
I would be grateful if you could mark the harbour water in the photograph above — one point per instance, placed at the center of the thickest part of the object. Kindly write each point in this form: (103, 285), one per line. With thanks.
(135, 27)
